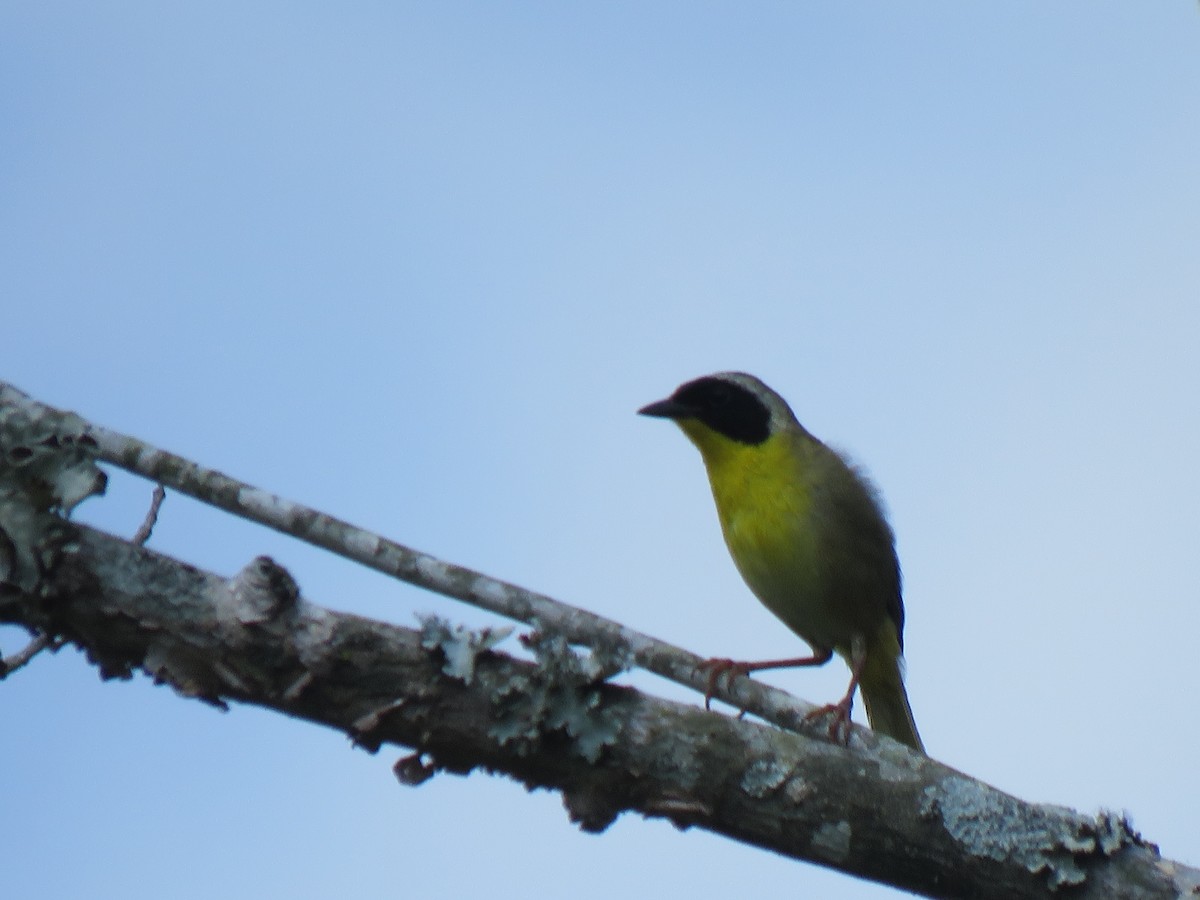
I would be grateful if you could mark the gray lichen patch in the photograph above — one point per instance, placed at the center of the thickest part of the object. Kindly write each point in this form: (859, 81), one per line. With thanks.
(460, 646)
(765, 776)
(562, 695)
(831, 842)
(45, 466)
(46, 457)
(1044, 840)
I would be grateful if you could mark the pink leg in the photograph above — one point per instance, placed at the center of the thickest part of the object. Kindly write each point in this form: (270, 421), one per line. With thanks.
(839, 728)
(719, 666)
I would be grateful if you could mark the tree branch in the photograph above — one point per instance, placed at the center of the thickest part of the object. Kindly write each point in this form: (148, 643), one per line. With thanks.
(877, 812)
(624, 646)
(873, 809)
(147, 527)
(22, 657)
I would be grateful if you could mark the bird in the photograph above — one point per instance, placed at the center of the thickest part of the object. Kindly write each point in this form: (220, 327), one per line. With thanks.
(807, 533)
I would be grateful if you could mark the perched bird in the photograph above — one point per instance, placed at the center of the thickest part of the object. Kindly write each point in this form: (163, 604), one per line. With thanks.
(807, 534)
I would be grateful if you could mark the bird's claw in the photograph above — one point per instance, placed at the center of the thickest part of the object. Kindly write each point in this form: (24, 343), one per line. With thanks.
(839, 727)
(717, 667)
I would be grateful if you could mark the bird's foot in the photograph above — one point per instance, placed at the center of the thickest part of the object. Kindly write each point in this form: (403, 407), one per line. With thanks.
(717, 667)
(839, 713)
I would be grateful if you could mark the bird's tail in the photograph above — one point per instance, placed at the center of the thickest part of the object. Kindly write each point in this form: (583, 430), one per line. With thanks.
(882, 687)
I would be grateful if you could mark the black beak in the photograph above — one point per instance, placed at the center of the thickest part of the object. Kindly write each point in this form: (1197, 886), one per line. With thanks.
(667, 409)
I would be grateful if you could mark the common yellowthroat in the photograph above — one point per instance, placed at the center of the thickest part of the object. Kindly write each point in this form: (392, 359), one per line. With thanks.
(807, 534)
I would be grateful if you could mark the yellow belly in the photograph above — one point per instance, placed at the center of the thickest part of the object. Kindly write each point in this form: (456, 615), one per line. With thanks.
(780, 561)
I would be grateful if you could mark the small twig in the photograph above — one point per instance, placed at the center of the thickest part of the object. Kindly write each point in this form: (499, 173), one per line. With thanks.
(22, 657)
(143, 533)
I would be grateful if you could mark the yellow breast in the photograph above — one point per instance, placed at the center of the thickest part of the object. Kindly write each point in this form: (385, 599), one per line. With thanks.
(764, 502)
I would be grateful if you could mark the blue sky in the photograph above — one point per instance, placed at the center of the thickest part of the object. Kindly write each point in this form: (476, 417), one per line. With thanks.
(418, 264)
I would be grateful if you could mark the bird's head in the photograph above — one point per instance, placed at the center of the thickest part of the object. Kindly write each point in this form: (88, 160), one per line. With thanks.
(721, 412)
